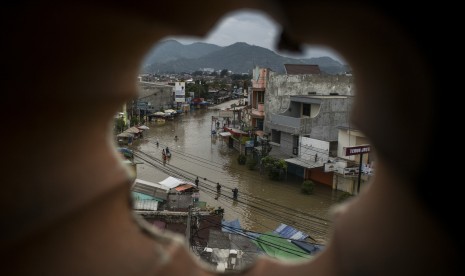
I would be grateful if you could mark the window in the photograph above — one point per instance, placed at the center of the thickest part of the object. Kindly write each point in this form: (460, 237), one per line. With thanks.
(306, 110)
(261, 97)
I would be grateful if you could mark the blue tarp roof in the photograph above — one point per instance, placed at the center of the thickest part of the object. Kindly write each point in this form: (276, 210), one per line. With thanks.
(309, 247)
(283, 240)
(233, 226)
(126, 152)
(290, 232)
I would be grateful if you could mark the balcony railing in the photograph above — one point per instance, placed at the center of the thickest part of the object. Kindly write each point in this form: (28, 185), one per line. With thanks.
(297, 126)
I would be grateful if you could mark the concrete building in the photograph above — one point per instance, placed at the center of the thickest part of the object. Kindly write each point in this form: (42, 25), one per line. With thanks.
(153, 97)
(346, 168)
(257, 98)
(302, 115)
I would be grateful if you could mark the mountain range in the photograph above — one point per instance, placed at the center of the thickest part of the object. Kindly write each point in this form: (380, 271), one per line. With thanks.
(171, 56)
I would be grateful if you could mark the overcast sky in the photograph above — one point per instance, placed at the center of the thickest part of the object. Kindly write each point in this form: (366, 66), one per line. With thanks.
(255, 29)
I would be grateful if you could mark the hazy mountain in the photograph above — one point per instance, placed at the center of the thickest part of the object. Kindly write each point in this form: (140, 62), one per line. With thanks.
(170, 50)
(174, 57)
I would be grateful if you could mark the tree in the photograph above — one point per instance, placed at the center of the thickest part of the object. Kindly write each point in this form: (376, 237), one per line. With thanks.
(134, 120)
(308, 187)
(120, 125)
(224, 73)
(276, 167)
(200, 88)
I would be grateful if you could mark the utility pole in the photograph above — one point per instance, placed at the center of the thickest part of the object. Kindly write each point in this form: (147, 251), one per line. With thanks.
(354, 151)
(188, 226)
(359, 173)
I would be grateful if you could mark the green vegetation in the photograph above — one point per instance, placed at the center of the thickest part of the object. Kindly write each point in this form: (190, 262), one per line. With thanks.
(120, 126)
(134, 120)
(307, 187)
(200, 88)
(276, 167)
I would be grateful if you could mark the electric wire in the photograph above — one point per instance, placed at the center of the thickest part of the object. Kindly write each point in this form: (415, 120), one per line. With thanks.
(264, 212)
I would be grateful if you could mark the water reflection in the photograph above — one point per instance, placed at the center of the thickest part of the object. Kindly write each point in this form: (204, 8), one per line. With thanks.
(262, 204)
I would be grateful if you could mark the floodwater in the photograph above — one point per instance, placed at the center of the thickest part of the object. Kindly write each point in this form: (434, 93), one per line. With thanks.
(262, 204)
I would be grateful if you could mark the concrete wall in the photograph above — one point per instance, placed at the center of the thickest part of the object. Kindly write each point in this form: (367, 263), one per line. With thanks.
(351, 138)
(333, 112)
(286, 143)
(279, 87)
(349, 184)
(310, 147)
(179, 201)
(160, 96)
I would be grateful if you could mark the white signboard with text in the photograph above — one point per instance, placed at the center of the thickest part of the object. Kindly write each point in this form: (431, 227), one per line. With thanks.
(180, 91)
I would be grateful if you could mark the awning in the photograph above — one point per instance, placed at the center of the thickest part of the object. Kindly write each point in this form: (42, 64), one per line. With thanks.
(125, 135)
(304, 163)
(257, 114)
(236, 131)
(225, 134)
(259, 133)
(133, 130)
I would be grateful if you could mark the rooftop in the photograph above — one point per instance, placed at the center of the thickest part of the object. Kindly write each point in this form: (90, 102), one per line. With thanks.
(302, 69)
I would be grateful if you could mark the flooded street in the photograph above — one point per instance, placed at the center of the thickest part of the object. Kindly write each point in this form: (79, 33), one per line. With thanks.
(262, 203)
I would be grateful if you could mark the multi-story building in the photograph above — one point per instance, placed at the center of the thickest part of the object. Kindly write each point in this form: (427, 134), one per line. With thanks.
(303, 112)
(257, 98)
(152, 97)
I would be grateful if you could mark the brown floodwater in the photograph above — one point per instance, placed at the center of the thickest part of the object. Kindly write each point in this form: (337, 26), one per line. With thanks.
(262, 204)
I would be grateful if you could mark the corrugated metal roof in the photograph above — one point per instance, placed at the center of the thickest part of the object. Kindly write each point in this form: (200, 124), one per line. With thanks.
(309, 164)
(151, 184)
(142, 196)
(150, 188)
(290, 232)
(311, 248)
(233, 226)
(125, 134)
(151, 205)
(225, 134)
(133, 130)
(183, 187)
(172, 182)
(280, 248)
